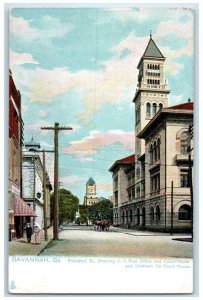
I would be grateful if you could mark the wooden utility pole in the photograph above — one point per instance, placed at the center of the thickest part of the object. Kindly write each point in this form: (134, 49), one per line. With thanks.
(171, 207)
(34, 187)
(45, 194)
(56, 129)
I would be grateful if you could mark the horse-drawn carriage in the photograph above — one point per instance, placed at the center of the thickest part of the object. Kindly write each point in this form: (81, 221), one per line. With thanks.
(102, 225)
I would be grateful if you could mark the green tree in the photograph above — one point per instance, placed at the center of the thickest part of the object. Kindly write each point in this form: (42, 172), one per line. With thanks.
(68, 206)
(102, 210)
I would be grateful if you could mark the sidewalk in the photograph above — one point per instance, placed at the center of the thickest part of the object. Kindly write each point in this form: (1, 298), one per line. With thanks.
(22, 247)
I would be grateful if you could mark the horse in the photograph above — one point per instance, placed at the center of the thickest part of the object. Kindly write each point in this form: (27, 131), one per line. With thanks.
(102, 225)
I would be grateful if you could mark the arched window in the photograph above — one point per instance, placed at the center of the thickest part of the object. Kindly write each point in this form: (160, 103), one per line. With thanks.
(155, 67)
(160, 106)
(150, 66)
(158, 148)
(151, 154)
(147, 66)
(183, 142)
(151, 214)
(147, 81)
(158, 213)
(184, 212)
(148, 110)
(138, 173)
(154, 109)
(158, 67)
(155, 151)
(158, 81)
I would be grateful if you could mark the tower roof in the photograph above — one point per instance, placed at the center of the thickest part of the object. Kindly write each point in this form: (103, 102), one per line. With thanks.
(151, 51)
(32, 143)
(90, 181)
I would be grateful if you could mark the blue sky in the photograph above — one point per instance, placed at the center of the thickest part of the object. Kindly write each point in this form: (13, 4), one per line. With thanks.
(78, 67)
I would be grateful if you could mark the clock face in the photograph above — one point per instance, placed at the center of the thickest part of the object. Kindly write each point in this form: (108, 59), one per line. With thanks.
(90, 189)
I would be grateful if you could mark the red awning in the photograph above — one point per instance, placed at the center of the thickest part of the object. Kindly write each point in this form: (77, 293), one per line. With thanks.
(22, 209)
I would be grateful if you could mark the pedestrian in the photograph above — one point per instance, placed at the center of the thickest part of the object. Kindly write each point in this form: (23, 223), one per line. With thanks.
(37, 231)
(28, 232)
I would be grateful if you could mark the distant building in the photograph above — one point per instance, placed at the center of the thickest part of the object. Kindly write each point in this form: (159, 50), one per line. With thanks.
(90, 196)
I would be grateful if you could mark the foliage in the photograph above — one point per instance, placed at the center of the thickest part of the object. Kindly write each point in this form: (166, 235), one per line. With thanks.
(101, 210)
(83, 213)
(68, 206)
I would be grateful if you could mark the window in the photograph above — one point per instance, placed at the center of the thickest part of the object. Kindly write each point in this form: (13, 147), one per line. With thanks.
(148, 110)
(155, 180)
(151, 154)
(184, 212)
(155, 152)
(158, 148)
(138, 173)
(160, 106)
(116, 198)
(138, 192)
(183, 143)
(184, 178)
(154, 109)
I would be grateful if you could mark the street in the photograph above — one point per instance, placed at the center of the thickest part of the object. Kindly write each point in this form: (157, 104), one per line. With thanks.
(117, 242)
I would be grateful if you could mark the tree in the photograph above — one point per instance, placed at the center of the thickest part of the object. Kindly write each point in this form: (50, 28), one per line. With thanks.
(101, 210)
(68, 206)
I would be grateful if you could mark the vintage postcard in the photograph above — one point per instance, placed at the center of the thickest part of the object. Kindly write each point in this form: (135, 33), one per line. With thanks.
(101, 108)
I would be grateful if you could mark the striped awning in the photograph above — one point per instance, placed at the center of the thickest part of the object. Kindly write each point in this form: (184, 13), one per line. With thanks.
(21, 208)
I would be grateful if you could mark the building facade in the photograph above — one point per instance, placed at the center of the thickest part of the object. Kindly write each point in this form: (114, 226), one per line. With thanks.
(146, 199)
(90, 196)
(32, 171)
(17, 208)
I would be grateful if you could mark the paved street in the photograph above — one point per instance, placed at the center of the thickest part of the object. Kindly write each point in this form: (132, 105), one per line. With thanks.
(84, 241)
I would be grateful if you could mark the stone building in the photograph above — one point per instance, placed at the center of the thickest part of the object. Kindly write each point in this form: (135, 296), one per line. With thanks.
(161, 135)
(90, 196)
(32, 170)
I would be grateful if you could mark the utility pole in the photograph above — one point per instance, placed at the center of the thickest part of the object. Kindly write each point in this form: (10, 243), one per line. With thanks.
(34, 187)
(56, 129)
(171, 207)
(45, 194)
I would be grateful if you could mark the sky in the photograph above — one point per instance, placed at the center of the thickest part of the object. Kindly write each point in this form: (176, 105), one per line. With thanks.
(78, 67)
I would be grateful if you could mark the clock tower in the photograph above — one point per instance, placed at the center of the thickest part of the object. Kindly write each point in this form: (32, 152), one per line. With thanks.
(152, 90)
(90, 197)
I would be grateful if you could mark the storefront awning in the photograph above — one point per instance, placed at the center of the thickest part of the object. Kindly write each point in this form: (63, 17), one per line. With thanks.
(21, 208)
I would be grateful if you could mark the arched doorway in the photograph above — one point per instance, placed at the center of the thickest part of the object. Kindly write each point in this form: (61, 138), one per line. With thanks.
(143, 216)
(184, 212)
(158, 213)
(151, 215)
(138, 216)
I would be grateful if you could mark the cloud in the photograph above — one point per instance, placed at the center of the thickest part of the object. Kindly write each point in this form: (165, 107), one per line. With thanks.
(115, 82)
(43, 114)
(176, 99)
(90, 145)
(122, 14)
(16, 59)
(49, 27)
(104, 186)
